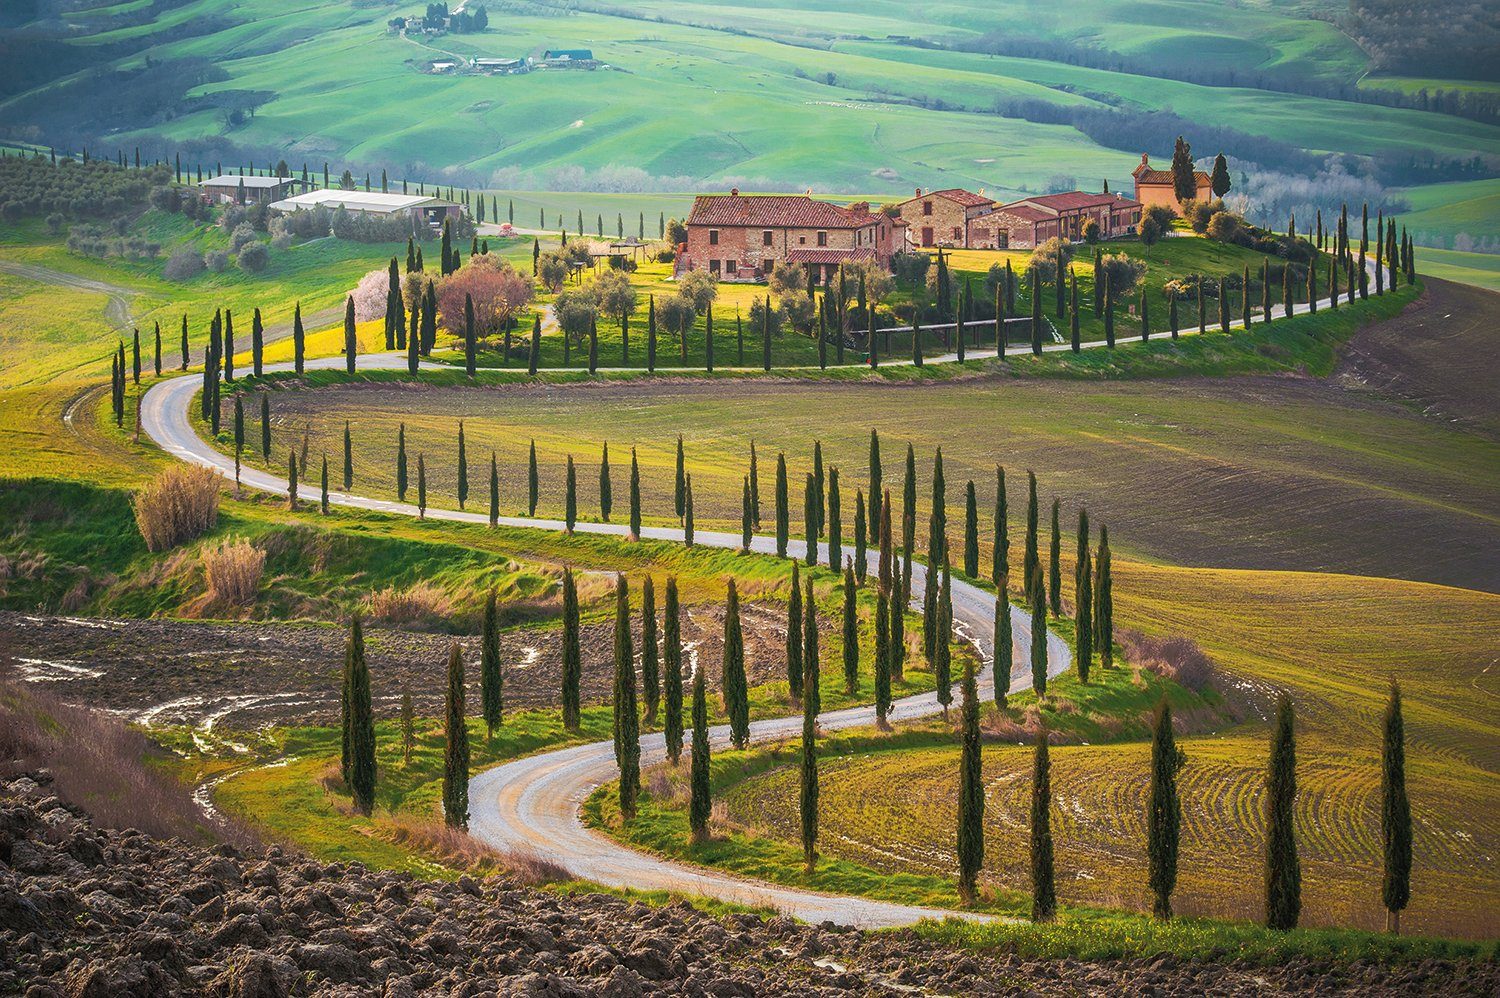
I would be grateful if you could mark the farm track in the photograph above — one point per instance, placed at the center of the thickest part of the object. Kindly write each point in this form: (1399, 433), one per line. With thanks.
(117, 311)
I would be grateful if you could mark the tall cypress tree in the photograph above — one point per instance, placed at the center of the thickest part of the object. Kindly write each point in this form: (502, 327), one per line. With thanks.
(1283, 870)
(351, 340)
(835, 521)
(494, 490)
(1043, 886)
(361, 724)
(1000, 549)
(971, 531)
(1083, 598)
(183, 345)
(850, 634)
(323, 501)
(1004, 650)
(745, 530)
(810, 520)
(456, 746)
(533, 482)
(1163, 812)
(970, 794)
(809, 770)
(754, 487)
(1054, 565)
(908, 529)
(635, 497)
(348, 458)
(606, 489)
(265, 426)
(935, 556)
(733, 683)
(942, 660)
(421, 487)
(1074, 337)
(627, 720)
(572, 656)
(1031, 563)
(570, 497)
(701, 804)
(534, 355)
(783, 524)
(885, 598)
(650, 671)
(811, 659)
(687, 519)
(671, 640)
(818, 488)
(463, 467)
(1395, 815)
(1104, 602)
(860, 533)
(875, 487)
(491, 678)
(291, 480)
(156, 357)
(793, 643)
(679, 488)
(1036, 313)
(1038, 635)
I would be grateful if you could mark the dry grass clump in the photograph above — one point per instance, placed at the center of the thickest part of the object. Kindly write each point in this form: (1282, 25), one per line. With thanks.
(1175, 658)
(232, 572)
(419, 604)
(179, 504)
(452, 847)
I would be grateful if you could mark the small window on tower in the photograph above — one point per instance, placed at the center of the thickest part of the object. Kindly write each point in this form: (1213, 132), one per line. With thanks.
(713, 237)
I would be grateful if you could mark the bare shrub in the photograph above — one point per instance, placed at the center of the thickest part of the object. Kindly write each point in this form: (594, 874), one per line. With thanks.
(1176, 658)
(179, 504)
(450, 846)
(232, 572)
(533, 870)
(419, 604)
(100, 764)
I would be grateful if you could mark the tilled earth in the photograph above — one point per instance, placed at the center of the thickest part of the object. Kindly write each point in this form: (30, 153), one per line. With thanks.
(240, 676)
(89, 912)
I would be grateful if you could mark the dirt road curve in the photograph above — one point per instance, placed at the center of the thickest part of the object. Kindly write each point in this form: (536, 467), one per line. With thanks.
(116, 311)
(532, 804)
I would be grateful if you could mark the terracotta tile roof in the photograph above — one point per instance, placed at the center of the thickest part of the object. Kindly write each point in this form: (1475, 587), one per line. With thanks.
(1149, 176)
(958, 196)
(774, 211)
(827, 254)
(1077, 200)
(1023, 211)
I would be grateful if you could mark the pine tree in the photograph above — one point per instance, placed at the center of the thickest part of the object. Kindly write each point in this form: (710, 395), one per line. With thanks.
(1283, 870)
(570, 497)
(1038, 635)
(1000, 548)
(494, 490)
(491, 678)
(361, 724)
(1083, 599)
(421, 487)
(679, 489)
(672, 672)
(456, 746)
(1104, 603)
(687, 519)
(572, 660)
(860, 533)
(1395, 815)
(942, 659)
(875, 487)
(754, 487)
(793, 643)
(533, 482)
(970, 794)
(351, 341)
(650, 671)
(323, 501)
(783, 524)
(1163, 812)
(463, 467)
(627, 720)
(809, 775)
(733, 683)
(812, 684)
(1043, 887)
(1031, 563)
(1004, 650)
(850, 634)
(635, 497)
(1054, 565)
(971, 531)
(183, 347)
(534, 355)
(291, 480)
(745, 530)
(701, 804)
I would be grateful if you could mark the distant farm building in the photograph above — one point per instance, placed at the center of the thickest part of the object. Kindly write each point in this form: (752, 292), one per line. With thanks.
(421, 210)
(1156, 187)
(569, 59)
(1028, 223)
(952, 218)
(743, 237)
(231, 189)
(502, 66)
(443, 66)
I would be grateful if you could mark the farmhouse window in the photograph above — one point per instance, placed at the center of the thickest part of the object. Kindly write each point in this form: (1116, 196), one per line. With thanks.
(731, 266)
(713, 237)
(713, 266)
(801, 240)
(765, 237)
(958, 233)
(927, 207)
(822, 238)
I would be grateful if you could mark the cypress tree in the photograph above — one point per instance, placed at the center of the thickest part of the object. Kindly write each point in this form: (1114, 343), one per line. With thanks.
(687, 520)
(679, 495)
(809, 774)
(1004, 650)
(351, 342)
(469, 344)
(1163, 812)
(1074, 336)
(265, 426)
(156, 357)
(1244, 299)
(361, 724)
(818, 493)
(635, 497)
(754, 487)
(794, 637)
(834, 520)
(970, 794)
(183, 363)
(908, 523)
(1043, 888)
(421, 487)
(850, 634)
(810, 519)
(1054, 564)
(1265, 292)
(228, 353)
(1036, 313)
(1395, 815)
(572, 656)
(606, 490)
(534, 355)
(650, 671)
(348, 458)
(346, 706)
(1312, 287)
(533, 482)
(456, 746)
(494, 490)
(136, 356)
(401, 463)
(971, 531)
(736, 694)
(745, 531)
(783, 525)
(323, 501)
(672, 672)
(860, 550)
(627, 721)
(1109, 312)
(1000, 549)
(935, 556)
(875, 487)
(1038, 635)
(291, 480)
(701, 804)
(1031, 563)
(811, 660)
(463, 467)
(884, 601)
(414, 343)
(1104, 604)
(570, 497)
(491, 679)
(942, 661)
(651, 333)
(1083, 597)
(1283, 871)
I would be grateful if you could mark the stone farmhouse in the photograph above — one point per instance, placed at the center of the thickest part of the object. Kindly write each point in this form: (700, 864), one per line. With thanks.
(1156, 187)
(949, 218)
(743, 237)
(960, 219)
(233, 189)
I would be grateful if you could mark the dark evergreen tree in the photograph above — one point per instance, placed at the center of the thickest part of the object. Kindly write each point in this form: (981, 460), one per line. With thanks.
(570, 497)
(754, 487)
(534, 355)
(1283, 870)
(650, 669)
(818, 488)
(239, 435)
(1184, 179)
(421, 487)
(401, 463)
(494, 490)
(783, 523)
(1043, 885)
(970, 794)
(183, 346)
(572, 656)
(971, 531)
(323, 501)
(1083, 599)
(456, 746)
(860, 550)
(635, 497)
(351, 339)
(463, 467)
(809, 774)
(533, 482)
(291, 480)
(491, 676)
(627, 719)
(679, 492)
(810, 520)
(228, 353)
(875, 487)
(850, 634)
(1395, 815)
(606, 489)
(834, 521)
(671, 641)
(687, 519)
(1000, 548)
(793, 644)
(1038, 635)
(812, 684)
(888, 584)
(942, 659)
(1054, 564)
(361, 724)
(1031, 562)
(733, 682)
(1074, 338)
(1163, 812)
(1004, 650)
(1036, 313)
(745, 529)
(700, 806)
(1104, 603)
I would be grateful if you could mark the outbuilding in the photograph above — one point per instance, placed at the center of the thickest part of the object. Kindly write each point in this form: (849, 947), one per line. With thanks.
(233, 189)
(428, 211)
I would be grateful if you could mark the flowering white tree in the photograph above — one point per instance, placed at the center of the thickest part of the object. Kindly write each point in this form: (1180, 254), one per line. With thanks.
(370, 295)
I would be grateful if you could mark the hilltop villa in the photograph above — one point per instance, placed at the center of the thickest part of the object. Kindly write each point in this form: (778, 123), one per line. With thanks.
(1156, 187)
(738, 236)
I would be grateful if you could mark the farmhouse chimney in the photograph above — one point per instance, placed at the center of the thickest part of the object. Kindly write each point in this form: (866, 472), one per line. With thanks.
(734, 192)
